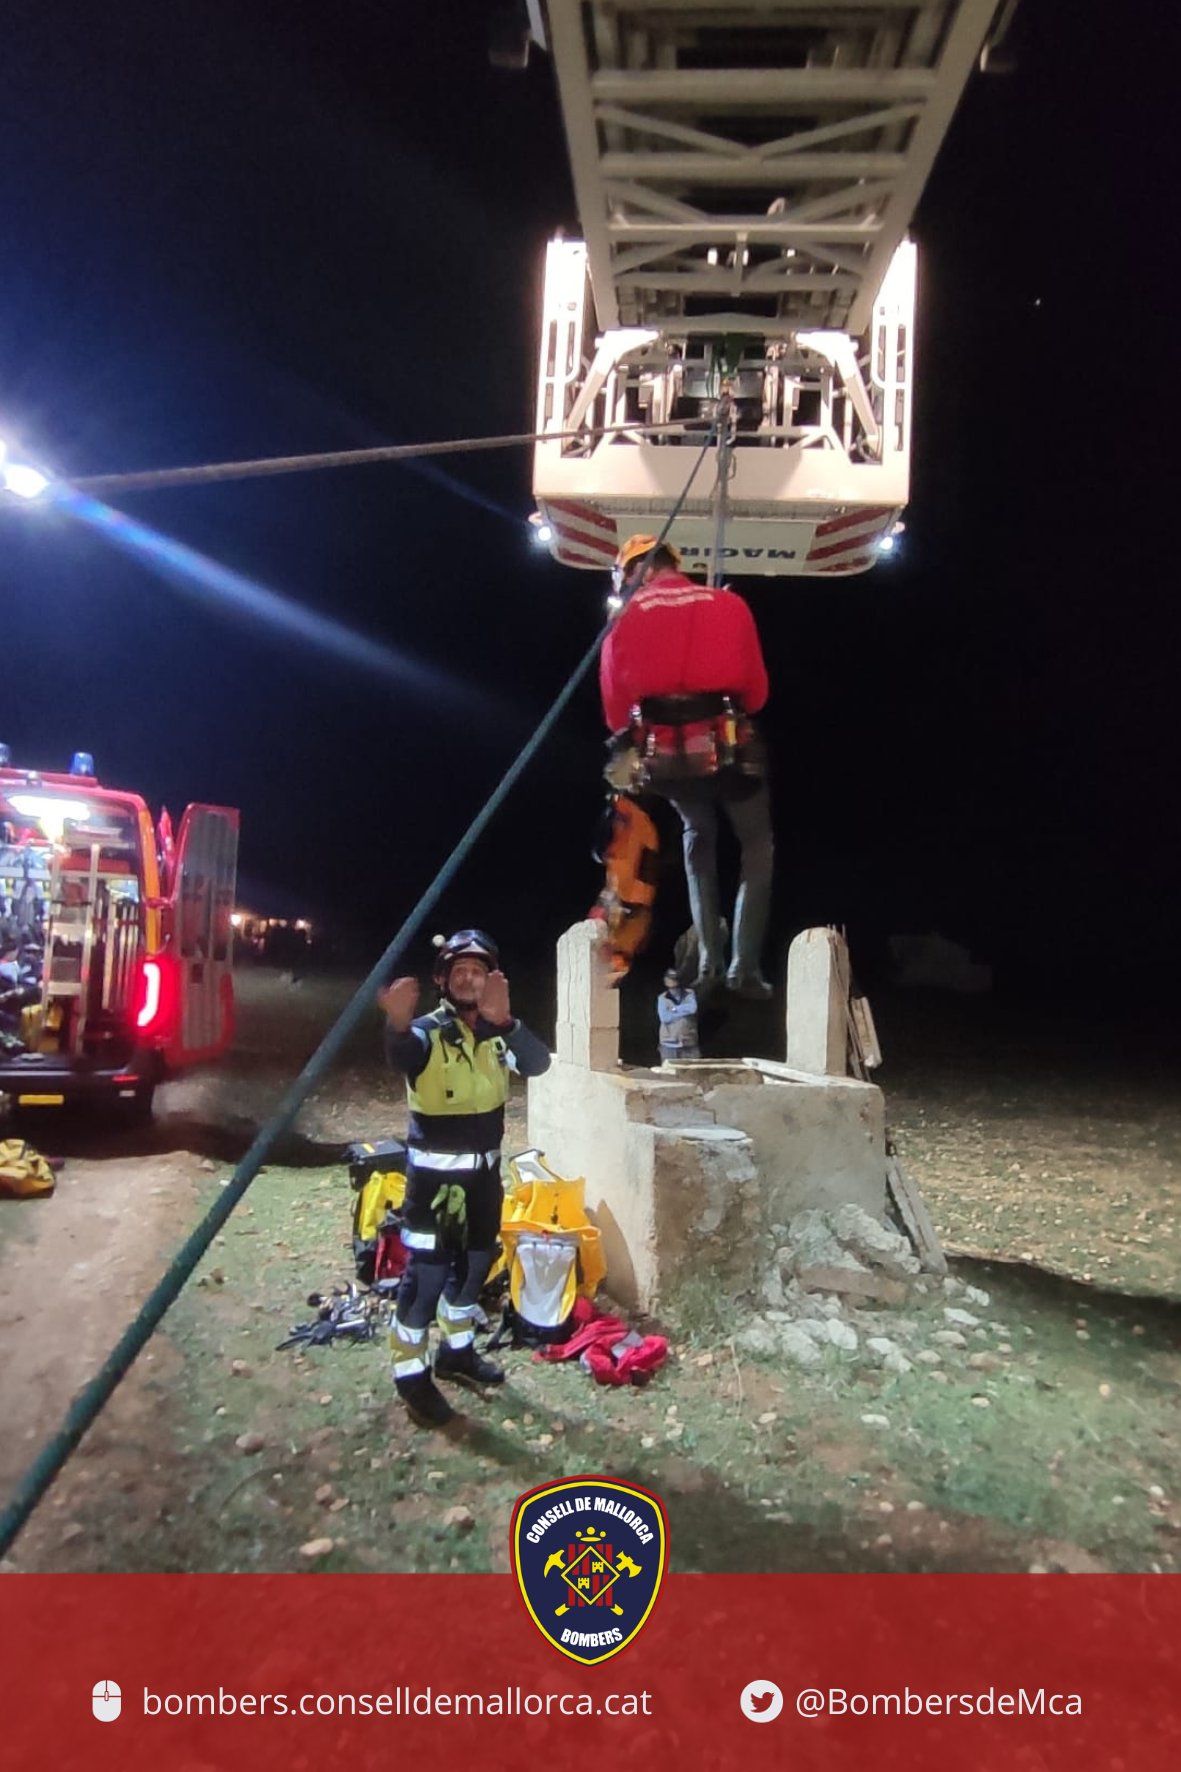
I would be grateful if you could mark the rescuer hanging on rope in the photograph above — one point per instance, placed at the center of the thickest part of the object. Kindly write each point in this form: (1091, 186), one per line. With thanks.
(681, 673)
(456, 1062)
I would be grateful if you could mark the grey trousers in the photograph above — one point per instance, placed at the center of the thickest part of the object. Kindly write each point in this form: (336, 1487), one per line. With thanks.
(750, 821)
(671, 1054)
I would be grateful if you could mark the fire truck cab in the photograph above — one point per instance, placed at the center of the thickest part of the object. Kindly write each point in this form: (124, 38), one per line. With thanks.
(116, 942)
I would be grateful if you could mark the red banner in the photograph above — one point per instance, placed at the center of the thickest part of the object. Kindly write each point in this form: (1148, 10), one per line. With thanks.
(209, 1671)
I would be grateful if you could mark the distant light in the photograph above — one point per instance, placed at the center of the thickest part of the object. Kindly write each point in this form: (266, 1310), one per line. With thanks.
(302, 924)
(82, 763)
(886, 544)
(236, 919)
(543, 534)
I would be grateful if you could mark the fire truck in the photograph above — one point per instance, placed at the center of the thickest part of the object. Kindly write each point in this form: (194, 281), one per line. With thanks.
(116, 946)
(745, 173)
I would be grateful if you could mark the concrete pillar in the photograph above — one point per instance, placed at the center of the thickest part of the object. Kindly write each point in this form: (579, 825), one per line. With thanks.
(588, 1006)
(817, 1003)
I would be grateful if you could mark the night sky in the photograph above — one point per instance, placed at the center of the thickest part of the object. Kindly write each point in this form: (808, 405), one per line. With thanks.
(241, 229)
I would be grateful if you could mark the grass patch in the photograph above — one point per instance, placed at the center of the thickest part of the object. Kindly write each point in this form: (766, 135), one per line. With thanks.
(761, 1465)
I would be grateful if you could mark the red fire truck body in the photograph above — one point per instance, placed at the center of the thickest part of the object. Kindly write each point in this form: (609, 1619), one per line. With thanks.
(116, 944)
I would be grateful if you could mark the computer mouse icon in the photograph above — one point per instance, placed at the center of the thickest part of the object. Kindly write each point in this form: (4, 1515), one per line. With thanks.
(106, 1700)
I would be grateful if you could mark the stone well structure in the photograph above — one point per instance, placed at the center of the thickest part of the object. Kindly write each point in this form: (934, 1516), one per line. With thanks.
(695, 1170)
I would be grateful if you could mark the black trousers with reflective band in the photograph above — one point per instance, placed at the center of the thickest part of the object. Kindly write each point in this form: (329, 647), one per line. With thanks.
(456, 1266)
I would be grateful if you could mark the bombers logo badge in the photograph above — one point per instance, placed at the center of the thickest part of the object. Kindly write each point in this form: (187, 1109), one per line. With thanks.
(589, 1555)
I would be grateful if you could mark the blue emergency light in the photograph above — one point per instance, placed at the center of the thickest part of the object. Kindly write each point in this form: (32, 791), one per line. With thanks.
(82, 763)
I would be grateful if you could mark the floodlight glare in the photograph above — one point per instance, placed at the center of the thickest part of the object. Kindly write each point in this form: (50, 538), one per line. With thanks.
(886, 544)
(24, 481)
(543, 534)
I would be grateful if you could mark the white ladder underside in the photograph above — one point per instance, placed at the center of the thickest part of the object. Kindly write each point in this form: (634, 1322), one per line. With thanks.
(744, 159)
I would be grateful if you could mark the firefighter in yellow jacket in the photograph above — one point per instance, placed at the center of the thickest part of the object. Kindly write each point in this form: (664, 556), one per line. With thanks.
(457, 1063)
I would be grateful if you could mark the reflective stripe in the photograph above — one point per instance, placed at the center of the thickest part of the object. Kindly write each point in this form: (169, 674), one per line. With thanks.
(462, 1161)
(456, 1313)
(407, 1349)
(457, 1323)
(419, 1239)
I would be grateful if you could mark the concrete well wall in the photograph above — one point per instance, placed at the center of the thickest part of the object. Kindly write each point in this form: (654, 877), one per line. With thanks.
(693, 1170)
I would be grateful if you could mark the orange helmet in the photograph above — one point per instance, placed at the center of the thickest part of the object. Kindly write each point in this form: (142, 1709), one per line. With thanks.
(636, 546)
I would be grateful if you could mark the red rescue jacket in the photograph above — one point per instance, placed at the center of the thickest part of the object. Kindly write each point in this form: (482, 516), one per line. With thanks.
(680, 638)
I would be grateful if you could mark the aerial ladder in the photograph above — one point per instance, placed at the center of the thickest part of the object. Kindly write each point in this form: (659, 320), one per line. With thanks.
(745, 173)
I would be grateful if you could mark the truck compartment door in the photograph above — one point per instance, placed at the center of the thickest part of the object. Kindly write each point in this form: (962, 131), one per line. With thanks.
(201, 947)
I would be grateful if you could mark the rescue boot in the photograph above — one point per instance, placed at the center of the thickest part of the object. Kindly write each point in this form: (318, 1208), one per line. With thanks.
(424, 1401)
(466, 1366)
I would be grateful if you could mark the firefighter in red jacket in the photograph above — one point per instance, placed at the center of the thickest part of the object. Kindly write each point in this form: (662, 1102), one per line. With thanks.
(681, 668)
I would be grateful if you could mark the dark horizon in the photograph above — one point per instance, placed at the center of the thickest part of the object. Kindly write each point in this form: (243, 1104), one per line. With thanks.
(234, 232)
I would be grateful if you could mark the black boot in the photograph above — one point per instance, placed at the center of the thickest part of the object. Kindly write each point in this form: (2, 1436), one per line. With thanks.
(466, 1366)
(424, 1400)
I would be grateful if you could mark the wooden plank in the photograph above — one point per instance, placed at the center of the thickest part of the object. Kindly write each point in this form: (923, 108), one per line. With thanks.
(861, 1016)
(911, 1208)
(786, 1073)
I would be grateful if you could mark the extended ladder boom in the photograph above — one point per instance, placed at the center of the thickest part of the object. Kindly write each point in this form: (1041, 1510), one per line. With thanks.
(746, 171)
(762, 160)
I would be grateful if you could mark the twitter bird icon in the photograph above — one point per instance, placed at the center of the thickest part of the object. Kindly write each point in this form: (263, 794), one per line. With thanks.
(761, 1701)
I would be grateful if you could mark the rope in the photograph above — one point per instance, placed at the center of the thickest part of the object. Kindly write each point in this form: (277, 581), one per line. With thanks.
(150, 479)
(710, 437)
(725, 430)
(93, 1396)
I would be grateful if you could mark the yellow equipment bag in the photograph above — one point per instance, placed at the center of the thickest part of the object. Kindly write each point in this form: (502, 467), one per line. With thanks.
(552, 1253)
(24, 1173)
(377, 1173)
(383, 1192)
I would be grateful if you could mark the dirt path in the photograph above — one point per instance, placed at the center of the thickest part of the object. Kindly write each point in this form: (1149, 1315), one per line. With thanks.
(74, 1267)
(70, 1277)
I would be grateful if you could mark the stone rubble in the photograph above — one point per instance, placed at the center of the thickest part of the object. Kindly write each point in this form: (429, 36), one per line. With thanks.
(848, 1252)
(833, 1273)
